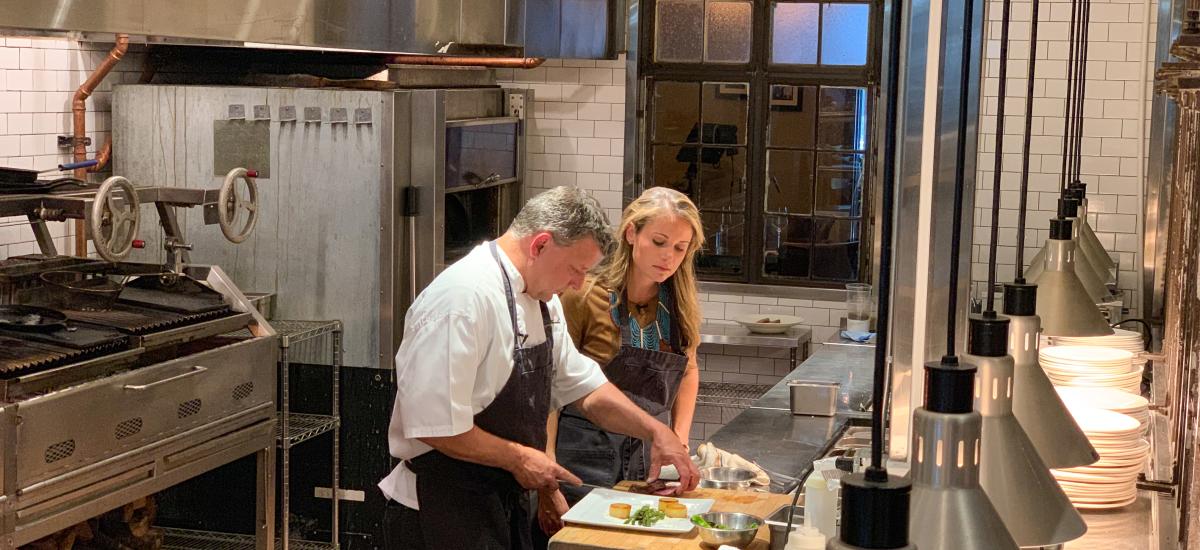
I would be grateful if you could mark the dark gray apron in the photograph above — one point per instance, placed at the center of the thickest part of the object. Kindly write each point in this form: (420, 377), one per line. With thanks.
(467, 505)
(650, 378)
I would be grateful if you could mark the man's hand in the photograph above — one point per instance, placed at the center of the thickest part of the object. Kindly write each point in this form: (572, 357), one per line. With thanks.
(667, 449)
(534, 470)
(551, 507)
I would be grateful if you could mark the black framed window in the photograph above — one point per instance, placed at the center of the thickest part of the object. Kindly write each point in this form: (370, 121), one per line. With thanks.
(762, 113)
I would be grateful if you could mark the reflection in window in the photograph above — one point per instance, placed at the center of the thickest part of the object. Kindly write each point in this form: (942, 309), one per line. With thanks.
(677, 108)
(844, 34)
(815, 169)
(794, 31)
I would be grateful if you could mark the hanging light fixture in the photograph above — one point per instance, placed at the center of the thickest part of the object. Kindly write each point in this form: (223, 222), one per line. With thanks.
(1038, 407)
(946, 430)
(1093, 278)
(1064, 305)
(1019, 484)
(874, 503)
(1087, 237)
(1014, 477)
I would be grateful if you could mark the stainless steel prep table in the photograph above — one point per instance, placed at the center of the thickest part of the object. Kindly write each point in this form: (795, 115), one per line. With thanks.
(785, 444)
(796, 338)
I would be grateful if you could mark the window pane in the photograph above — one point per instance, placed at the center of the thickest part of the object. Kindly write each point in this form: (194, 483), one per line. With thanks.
(676, 167)
(844, 34)
(793, 120)
(724, 244)
(788, 246)
(794, 29)
(722, 179)
(789, 181)
(679, 25)
(676, 111)
(835, 249)
(839, 184)
(727, 35)
(843, 119)
(725, 106)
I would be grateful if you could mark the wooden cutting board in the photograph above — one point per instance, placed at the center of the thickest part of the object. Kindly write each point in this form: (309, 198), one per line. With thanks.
(580, 537)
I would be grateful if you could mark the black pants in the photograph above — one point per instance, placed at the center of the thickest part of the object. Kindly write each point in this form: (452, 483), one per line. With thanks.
(402, 528)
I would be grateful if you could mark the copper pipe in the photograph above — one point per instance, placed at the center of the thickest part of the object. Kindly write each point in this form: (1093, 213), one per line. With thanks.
(105, 152)
(492, 62)
(79, 119)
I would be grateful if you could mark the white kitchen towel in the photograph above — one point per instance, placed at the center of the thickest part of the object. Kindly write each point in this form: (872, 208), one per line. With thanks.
(711, 457)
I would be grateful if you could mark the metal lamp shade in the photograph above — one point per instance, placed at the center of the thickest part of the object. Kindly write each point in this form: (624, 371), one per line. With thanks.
(1091, 279)
(949, 510)
(1055, 435)
(1034, 508)
(1088, 239)
(1063, 304)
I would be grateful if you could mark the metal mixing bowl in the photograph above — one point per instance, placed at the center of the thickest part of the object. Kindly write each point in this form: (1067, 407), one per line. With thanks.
(739, 534)
(726, 478)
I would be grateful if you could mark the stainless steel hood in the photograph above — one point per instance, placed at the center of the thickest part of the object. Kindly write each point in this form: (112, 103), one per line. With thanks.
(400, 26)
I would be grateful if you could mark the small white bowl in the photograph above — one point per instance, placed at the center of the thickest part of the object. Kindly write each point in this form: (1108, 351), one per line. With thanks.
(753, 322)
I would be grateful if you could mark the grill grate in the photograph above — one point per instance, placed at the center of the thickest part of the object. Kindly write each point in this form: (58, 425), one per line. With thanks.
(140, 321)
(18, 355)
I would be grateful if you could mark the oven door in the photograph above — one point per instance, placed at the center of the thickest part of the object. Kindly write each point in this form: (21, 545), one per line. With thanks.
(481, 152)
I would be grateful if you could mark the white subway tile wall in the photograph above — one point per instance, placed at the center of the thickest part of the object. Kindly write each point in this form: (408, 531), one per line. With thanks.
(1115, 141)
(38, 77)
(576, 133)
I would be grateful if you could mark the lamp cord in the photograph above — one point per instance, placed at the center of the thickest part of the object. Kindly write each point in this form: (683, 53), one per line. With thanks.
(959, 179)
(878, 470)
(997, 171)
(1023, 198)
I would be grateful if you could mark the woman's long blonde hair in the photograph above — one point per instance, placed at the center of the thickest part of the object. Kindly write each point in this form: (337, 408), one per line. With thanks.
(613, 274)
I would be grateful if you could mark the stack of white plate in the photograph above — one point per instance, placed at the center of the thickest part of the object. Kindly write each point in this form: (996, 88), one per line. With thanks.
(1127, 340)
(1109, 399)
(1091, 366)
(1112, 481)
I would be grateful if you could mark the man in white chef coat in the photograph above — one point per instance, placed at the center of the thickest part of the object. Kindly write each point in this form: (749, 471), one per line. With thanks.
(485, 357)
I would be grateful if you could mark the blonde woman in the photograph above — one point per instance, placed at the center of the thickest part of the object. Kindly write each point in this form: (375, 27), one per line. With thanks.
(639, 316)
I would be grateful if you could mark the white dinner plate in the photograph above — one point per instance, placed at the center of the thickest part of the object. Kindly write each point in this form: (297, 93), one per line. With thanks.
(593, 510)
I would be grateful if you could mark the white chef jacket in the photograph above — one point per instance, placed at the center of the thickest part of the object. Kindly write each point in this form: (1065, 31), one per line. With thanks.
(457, 354)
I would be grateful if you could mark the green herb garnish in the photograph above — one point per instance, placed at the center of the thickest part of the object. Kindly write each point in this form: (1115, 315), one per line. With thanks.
(645, 516)
(698, 520)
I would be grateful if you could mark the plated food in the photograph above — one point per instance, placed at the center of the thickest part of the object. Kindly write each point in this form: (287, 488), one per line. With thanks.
(636, 512)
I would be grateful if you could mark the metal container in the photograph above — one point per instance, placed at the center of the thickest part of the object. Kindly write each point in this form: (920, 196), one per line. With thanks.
(813, 398)
(726, 478)
(739, 533)
(777, 523)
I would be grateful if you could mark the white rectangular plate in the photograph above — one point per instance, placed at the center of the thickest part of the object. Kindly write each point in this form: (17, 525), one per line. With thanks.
(593, 510)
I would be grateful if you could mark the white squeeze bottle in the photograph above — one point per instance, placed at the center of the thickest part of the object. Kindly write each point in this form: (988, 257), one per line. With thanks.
(805, 538)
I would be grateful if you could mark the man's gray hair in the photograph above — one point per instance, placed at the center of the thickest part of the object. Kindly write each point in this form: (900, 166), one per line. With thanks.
(568, 214)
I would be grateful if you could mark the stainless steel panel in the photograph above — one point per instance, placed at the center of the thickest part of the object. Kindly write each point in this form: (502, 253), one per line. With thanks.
(585, 29)
(928, 112)
(317, 242)
(1160, 165)
(478, 103)
(409, 26)
(71, 428)
(478, 22)
(543, 28)
(242, 144)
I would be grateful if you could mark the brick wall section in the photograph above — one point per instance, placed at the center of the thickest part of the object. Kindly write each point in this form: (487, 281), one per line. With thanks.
(38, 77)
(1113, 163)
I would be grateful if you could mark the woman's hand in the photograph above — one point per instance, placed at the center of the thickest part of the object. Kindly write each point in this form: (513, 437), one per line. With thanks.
(551, 507)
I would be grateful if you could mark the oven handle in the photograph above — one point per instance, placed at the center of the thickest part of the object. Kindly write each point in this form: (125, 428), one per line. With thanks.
(142, 387)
